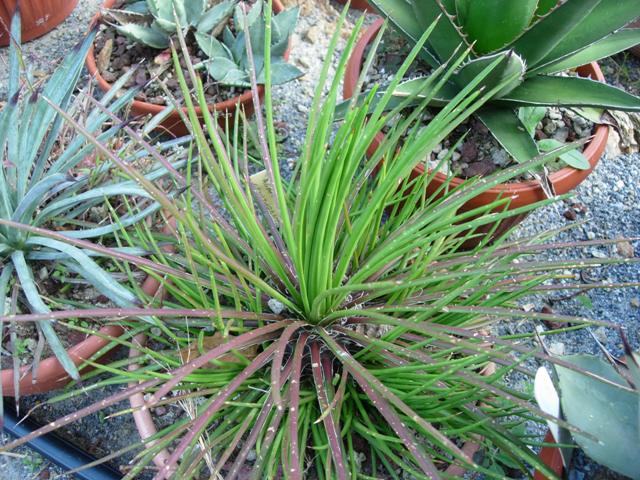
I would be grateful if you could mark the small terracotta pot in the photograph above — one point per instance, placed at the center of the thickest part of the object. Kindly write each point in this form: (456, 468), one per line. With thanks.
(522, 193)
(635, 50)
(551, 458)
(358, 4)
(37, 17)
(173, 124)
(51, 374)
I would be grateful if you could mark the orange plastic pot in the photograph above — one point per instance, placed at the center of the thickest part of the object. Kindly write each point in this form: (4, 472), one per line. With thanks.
(51, 374)
(520, 193)
(37, 17)
(358, 4)
(551, 457)
(173, 124)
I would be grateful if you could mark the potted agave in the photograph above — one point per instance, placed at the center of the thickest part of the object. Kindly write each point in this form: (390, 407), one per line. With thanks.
(536, 40)
(142, 32)
(37, 153)
(303, 336)
(38, 17)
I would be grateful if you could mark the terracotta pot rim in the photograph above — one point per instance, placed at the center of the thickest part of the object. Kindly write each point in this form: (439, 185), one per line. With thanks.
(593, 151)
(229, 104)
(62, 10)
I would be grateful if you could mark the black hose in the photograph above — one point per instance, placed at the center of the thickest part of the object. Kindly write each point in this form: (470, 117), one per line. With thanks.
(64, 454)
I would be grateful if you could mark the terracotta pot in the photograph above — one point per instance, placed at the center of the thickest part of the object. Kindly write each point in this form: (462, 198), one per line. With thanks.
(358, 4)
(551, 458)
(635, 50)
(37, 17)
(51, 374)
(173, 124)
(522, 193)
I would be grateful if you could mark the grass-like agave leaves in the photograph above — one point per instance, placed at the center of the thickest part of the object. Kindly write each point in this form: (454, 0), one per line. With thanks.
(38, 152)
(346, 318)
(533, 37)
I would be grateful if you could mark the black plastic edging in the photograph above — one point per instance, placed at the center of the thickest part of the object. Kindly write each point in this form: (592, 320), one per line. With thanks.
(64, 454)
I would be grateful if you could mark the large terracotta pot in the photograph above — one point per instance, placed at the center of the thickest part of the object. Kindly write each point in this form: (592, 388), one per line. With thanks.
(522, 193)
(358, 4)
(51, 375)
(37, 17)
(173, 124)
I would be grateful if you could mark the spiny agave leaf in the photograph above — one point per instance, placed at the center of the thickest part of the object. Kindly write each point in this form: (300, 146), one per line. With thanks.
(283, 26)
(610, 45)
(570, 92)
(505, 126)
(281, 72)
(545, 6)
(604, 411)
(137, 12)
(507, 20)
(536, 43)
(607, 17)
(403, 17)
(150, 36)
(216, 17)
(512, 66)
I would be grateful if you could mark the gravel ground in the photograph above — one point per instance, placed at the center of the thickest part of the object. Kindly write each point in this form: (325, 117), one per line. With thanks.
(610, 198)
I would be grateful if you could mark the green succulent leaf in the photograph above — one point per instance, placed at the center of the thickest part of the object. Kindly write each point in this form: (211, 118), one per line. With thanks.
(607, 17)
(281, 72)
(216, 16)
(511, 66)
(574, 158)
(530, 117)
(150, 36)
(508, 20)
(224, 70)
(570, 92)
(610, 45)
(212, 47)
(507, 129)
(192, 10)
(536, 43)
(545, 6)
(606, 412)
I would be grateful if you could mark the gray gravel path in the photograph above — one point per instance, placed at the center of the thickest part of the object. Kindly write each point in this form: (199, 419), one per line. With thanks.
(611, 197)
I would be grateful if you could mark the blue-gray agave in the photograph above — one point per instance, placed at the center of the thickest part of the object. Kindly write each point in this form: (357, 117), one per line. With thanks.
(155, 22)
(37, 152)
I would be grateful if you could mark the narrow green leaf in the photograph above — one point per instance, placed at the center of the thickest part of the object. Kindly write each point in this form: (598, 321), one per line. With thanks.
(574, 158)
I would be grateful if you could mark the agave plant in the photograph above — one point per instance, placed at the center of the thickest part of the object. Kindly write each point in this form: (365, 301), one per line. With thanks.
(605, 409)
(330, 324)
(38, 185)
(534, 40)
(155, 22)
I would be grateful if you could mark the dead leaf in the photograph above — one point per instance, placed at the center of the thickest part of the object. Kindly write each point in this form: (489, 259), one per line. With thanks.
(104, 57)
